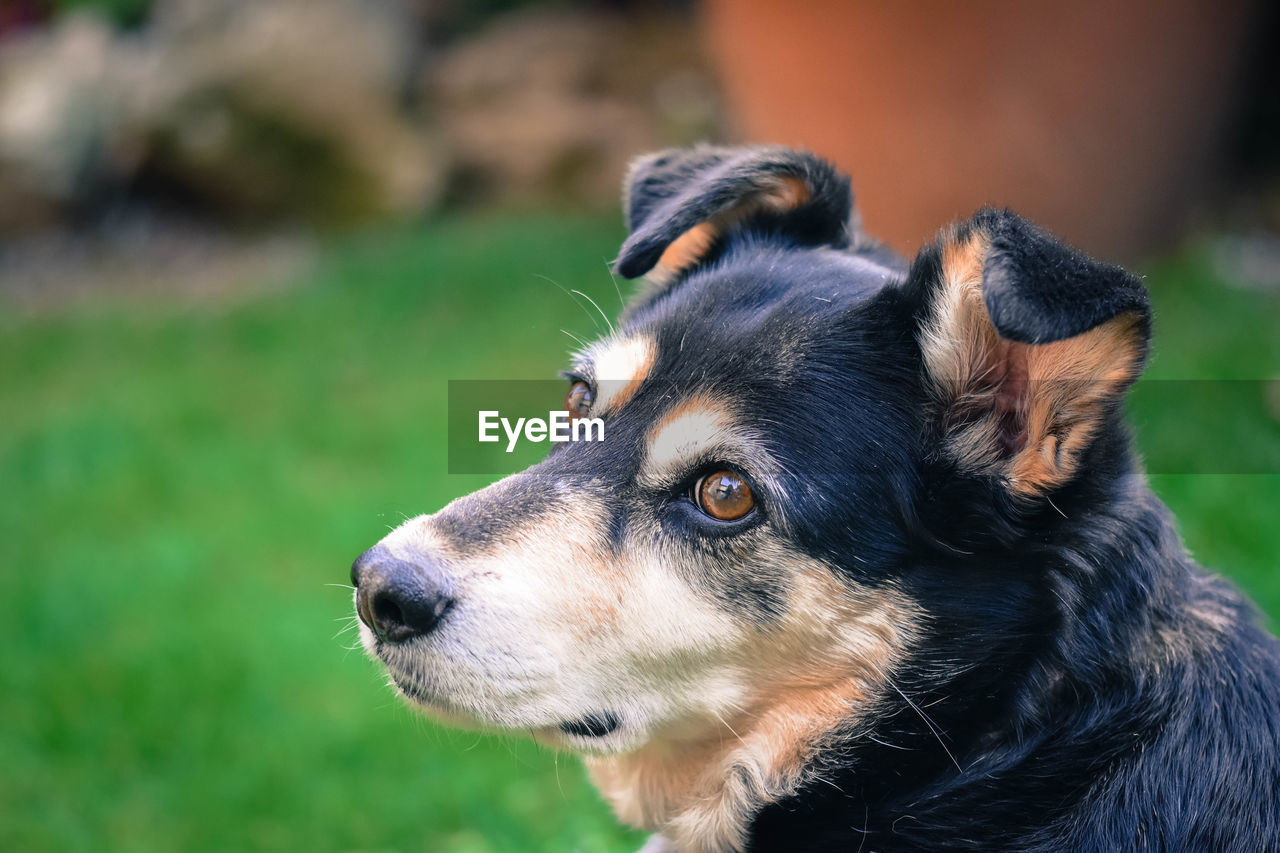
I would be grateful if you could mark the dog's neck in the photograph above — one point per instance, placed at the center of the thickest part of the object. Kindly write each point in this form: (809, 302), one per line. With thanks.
(703, 794)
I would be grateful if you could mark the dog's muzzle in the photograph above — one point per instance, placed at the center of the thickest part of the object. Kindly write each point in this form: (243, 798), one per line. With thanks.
(400, 599)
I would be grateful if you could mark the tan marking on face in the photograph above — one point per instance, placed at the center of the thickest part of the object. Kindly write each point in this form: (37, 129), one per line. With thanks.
(621, 367)
(776, 195)
(695, 427)
(685, 430)
(1058, 392)
(807, 682)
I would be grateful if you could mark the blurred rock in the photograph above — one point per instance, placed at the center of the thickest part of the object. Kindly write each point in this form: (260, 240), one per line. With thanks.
(553, 104)
(290, 108)
(254, 110)
(58, 99)
(325, 112)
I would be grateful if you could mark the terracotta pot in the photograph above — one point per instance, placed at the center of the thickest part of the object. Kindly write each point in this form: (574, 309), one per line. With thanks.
(1099, 120)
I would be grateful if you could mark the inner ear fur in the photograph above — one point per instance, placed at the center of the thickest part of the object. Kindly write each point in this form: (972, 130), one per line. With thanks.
(682, 203)
(775, 195)
(1021, 398)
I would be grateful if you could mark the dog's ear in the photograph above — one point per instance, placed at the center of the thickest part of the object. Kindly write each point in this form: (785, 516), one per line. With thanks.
(681, 203)
(1028, 346)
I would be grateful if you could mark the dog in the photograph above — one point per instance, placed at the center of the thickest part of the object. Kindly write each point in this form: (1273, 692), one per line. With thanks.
(866, 561)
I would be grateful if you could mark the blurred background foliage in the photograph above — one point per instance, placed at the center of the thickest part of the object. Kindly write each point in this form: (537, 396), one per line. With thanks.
(244, 246)
(185, 486)
(122, 13)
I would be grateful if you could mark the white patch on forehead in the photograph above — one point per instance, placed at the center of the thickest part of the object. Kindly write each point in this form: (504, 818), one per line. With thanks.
(620, 366)
(693, 429)
(690, 428)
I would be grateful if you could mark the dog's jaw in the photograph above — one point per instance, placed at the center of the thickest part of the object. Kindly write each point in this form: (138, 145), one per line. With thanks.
(701, 791)
(701, 796)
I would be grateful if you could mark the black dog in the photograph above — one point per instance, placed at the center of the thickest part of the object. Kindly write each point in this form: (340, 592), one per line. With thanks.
(865, 561)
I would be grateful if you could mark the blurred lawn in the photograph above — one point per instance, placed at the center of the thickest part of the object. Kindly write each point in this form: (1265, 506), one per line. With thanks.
(184, 487)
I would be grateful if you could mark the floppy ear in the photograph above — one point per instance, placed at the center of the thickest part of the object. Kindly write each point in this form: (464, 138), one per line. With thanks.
(1028, 347)
(681, 203)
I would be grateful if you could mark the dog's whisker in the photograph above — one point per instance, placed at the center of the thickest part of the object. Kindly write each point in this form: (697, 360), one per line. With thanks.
(818, 777)
(725, 723)
(559, 786)
(583, 344)
(937, 733)
(885, 743)
(569, 293)
(607, 321)
(622, 303)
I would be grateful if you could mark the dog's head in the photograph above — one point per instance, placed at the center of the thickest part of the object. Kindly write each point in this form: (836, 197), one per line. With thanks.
(805, 440)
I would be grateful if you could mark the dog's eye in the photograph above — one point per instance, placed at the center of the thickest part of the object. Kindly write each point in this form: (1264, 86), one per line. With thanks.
(579, 399)
(723, 495)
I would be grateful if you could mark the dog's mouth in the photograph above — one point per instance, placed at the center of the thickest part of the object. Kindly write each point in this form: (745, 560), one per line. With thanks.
(588, 727)
(592, 725)
(420, 695)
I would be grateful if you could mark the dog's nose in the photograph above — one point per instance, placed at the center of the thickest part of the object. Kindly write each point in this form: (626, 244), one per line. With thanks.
(397, 598)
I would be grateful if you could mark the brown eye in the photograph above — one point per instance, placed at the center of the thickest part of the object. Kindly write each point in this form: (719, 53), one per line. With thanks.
(723, 495)
(578, 401)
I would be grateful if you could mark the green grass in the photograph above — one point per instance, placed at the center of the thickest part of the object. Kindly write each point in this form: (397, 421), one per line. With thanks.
(182, 483)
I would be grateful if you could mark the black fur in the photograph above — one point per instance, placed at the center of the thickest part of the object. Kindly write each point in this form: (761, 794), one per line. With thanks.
(672, 191)
(1038, 290)
(1082, 685)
